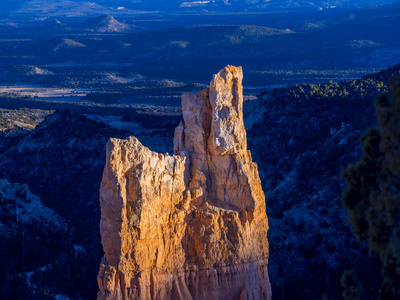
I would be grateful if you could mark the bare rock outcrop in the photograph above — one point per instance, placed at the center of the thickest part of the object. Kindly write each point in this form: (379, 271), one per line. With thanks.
(192, 225)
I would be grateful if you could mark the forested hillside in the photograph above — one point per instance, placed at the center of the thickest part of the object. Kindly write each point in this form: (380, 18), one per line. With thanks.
(306, 135)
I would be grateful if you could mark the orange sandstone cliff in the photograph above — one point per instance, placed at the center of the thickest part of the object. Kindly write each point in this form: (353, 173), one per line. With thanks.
(192, 225)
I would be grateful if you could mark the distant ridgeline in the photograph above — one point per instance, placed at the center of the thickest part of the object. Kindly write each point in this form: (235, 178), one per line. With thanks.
(24, 6)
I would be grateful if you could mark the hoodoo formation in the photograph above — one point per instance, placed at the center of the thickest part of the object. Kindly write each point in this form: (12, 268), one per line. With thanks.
(192, 225)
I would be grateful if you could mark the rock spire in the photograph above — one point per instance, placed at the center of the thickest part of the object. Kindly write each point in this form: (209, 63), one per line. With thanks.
(192, 225)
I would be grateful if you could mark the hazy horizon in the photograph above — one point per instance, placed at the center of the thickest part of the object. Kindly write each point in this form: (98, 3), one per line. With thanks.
(71, 8)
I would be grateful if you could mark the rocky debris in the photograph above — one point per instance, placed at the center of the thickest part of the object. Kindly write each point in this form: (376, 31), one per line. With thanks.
(192, 225)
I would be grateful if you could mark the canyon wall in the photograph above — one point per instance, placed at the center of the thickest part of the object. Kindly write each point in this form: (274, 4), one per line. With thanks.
(192, 225)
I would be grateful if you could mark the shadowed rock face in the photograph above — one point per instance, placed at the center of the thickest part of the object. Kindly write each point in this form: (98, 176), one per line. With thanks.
(192, 225)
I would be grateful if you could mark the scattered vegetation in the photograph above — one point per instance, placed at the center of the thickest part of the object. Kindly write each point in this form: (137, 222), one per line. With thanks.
(12, 120)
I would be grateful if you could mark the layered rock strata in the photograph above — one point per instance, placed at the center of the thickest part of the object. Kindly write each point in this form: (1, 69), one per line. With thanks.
(192, 225)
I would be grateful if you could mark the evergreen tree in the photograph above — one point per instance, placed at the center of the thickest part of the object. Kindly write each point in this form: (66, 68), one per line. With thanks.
(373, 194)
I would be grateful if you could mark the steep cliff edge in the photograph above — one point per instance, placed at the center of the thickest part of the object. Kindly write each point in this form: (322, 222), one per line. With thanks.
(192, 225)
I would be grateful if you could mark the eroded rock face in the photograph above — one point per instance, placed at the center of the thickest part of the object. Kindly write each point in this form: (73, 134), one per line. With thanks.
(192, 225)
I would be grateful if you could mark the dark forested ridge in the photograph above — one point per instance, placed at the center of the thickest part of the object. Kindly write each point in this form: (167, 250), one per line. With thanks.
(306, 134)
(61, 161)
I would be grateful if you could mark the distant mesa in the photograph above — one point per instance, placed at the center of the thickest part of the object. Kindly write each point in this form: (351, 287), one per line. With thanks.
(105, 23)
(67, 44)
(313, 26)
(194, 3)
(113, 78)
(57, 8)
(360, 44)
(33, 70)
(54, 24)
(9, 25)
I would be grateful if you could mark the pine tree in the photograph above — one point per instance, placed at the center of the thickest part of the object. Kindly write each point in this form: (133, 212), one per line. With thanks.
(373, 194)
